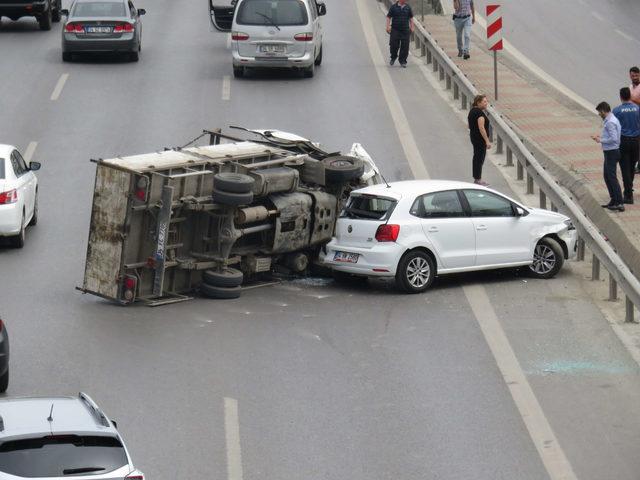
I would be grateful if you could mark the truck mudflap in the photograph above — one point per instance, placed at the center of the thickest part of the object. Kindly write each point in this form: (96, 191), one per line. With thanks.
(221, 16)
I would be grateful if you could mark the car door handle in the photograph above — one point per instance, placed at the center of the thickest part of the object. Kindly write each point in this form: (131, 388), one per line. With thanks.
(433, 229)
(481, 227)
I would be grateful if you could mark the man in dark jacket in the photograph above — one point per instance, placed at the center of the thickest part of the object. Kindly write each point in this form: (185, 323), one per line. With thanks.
(400, 27)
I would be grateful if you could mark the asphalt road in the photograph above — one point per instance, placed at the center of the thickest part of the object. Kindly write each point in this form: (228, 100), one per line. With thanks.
(331, 382)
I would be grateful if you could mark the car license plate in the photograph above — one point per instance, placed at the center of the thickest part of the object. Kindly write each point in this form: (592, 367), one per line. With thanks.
(272, 49)
(99, 29)
(346, 257)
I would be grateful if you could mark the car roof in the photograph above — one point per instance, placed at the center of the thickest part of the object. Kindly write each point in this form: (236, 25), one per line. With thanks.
(411, 188)
(28, 416)
(5, 150)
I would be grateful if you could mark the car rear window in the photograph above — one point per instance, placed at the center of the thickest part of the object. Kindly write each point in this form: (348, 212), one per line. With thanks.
(99, 9)
(369, 207)
(1, 168)
(61, 455)
(268, 12)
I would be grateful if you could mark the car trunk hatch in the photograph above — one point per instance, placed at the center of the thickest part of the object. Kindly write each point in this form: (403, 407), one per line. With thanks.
(361, 218)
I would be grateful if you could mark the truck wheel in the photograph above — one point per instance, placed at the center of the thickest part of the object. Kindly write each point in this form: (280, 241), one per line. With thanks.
(229, 277)
(233, 182)
(232, 199)
(416, 271)
(342, 169)
(45, 19)
(222, 293)
(548, 259)
(4, 382)
(55, 14)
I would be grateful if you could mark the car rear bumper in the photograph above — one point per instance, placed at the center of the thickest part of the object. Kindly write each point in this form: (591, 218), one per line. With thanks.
(72, 44)
(380, 260)
(17, 10)
(304, 61)
(10, 219)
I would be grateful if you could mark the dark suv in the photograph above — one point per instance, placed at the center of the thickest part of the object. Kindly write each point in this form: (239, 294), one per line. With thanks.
(45, 11)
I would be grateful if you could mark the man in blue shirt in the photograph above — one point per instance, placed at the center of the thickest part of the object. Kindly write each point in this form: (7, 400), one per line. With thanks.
(628, 114)
(610, 141)
(400, 27)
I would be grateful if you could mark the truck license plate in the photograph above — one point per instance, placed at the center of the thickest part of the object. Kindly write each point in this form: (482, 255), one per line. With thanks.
(346, 257)
(272, 48)
(98, 29)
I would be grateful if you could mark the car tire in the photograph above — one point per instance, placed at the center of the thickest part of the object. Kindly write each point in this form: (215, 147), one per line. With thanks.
(548, 258)
(4, 382)
(45, 19)
(19, 240)
(56, 16)
(228, 277)
(232, 199)
(318, 61)
(67, 56)
(222, 293)
(233, 182)
(342, 169)
(134, 56)
(416, 272)
(34, 218)
(310, 71)
(238, 72)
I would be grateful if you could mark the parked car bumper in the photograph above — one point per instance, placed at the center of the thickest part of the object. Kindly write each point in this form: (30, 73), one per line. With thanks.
(10, 219)
(17, 10)
(303, 61)
(71, 43)
(380, 260)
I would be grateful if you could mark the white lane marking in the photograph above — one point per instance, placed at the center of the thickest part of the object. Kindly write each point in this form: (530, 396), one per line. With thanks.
(539, 72)
(232, 435)
(400, 121)
(597, 16)
(228, 41)
(28, 153)
(226, 87)
(59, 86)
(550, 451)
(624, 35)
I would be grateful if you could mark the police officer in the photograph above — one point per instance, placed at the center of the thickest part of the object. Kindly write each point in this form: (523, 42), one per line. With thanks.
(400, 26)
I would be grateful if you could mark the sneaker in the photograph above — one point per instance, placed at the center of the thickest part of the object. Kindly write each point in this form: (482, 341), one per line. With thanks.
(392, 61)
(466, 56)
(460, 53)
(403, 65)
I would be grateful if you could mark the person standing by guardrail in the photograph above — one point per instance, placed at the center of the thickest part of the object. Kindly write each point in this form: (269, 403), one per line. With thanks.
(400, 27)
(628, 114)
(479, 126)
(464, 16)
(610, 141)
(634, 76)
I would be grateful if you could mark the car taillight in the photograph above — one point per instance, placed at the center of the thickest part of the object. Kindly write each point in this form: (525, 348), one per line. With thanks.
(387, 233)
(9, 197)
(304, 37)
(129, 284)
(74, 28)
(123, 28)
(1, 324)
(239, 36)
(141, 188)
(135, 475)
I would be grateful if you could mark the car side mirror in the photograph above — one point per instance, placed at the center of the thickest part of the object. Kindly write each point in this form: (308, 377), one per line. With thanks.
(141, 11)
(520, 212)
(322, 9)
(115, 424)
(34, 166)
(64, 12)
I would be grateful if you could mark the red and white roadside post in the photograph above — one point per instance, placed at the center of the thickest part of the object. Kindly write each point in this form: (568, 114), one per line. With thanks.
(494, 38)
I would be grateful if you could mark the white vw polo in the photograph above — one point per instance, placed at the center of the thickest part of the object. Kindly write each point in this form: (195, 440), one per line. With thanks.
(18, 195)
(415, 230)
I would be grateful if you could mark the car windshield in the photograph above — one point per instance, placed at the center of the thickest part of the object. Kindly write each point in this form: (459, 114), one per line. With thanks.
(369, 207)
(99, 9)
(272, 12)
(1, 168)
(61, 455)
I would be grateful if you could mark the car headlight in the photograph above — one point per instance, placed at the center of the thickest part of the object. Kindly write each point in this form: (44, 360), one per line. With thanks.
(569, 224)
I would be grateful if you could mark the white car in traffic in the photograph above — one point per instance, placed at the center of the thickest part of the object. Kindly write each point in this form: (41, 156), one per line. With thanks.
(18, 195)
(415, 230)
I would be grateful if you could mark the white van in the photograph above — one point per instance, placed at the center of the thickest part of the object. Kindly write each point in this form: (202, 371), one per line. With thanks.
(272, 33)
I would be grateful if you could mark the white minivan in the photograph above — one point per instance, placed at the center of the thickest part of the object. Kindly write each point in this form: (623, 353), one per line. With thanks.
(273, 33)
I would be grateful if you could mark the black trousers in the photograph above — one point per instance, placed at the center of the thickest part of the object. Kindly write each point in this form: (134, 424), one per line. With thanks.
(479, 154)
(611, 160)
(629, 151)
(399, 41)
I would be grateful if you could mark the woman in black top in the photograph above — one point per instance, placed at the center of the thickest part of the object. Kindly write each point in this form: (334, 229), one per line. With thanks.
(479, 134)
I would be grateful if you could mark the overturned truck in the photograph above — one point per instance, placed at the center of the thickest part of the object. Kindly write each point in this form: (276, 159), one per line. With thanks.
(209, 218)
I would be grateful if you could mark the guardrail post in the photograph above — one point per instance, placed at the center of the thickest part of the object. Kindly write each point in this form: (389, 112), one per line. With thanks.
(499, 147)
(464, 101)
(417, 41)
(543, 199)
(553, 207)
(519, 170)
(456, 91)
(448, 79)
(595, 268)
(529, 184)
(429, 56)
(435, 64)
(509, 157)
(441, 73)
(613, 289)
(629, 311)
(423, 49)
(580, 252)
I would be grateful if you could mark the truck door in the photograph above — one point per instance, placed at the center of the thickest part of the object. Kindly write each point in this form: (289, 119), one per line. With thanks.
(221, 16)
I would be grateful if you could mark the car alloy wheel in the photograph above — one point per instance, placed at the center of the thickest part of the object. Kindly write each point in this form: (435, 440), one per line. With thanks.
(544, 259)
(418, 272)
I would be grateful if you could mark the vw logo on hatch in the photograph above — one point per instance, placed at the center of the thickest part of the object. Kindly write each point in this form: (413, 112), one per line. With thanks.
(350, 229)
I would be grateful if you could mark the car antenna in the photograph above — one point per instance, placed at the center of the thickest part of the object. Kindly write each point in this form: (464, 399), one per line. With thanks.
(384, 179)
(50, 417)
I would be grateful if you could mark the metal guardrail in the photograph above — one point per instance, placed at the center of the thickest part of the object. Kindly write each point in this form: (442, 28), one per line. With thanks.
(509, 143)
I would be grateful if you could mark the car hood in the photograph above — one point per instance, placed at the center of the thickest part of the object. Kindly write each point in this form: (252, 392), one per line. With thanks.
(548, 215)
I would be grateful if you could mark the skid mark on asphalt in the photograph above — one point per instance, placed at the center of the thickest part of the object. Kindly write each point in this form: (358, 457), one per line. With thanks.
(232, 436)
(57, 91)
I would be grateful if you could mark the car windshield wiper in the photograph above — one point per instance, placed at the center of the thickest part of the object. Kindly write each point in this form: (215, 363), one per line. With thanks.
(71, 471)
(267, 17)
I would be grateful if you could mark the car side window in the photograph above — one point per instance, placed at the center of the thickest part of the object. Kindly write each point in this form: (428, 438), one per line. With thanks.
(438, 205)
(132, 10)
(487, 204)
(19, 168)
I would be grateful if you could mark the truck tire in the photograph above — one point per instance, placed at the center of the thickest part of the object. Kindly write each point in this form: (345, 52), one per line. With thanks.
(229, 277)
(342, 169)
(233, 182)
(55, 14)
(232, 199)
(222, 293)
(45, 19)
(4, 382)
